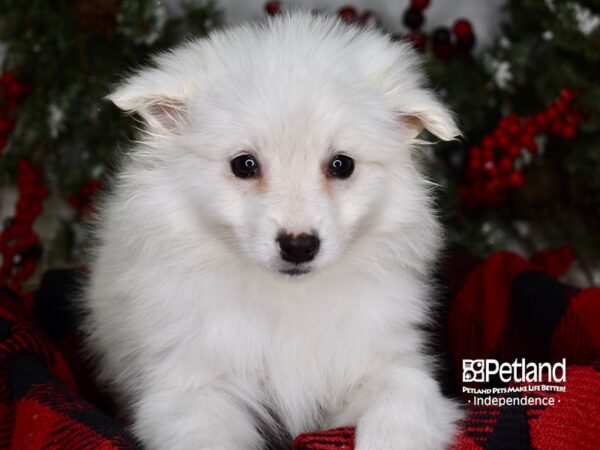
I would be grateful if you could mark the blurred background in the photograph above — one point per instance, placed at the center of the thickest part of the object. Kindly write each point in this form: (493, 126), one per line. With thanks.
(522, 77)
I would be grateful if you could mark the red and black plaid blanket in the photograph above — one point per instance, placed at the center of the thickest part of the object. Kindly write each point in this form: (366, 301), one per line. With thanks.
(504, 308)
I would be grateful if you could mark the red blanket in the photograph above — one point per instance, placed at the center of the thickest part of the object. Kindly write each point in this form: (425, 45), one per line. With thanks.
(505, 308)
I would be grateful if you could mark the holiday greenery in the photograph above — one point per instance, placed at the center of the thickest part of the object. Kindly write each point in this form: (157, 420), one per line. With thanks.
(527, 170)
(61, 60)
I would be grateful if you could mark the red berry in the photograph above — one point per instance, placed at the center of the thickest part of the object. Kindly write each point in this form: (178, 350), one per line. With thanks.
(569, 131)
(273, 8)
(475, 165)
(514, 151)
(552, 113)
(443, 51)
(348, 14)
(488, 154)
(502, 139)
(418, 40)
(492, 170)
(419, 4)
(567, 95)
(6, 125)
(24, 165)
(516, 179)
(506, 164)
(530, 129)
(22, 205)
(529, 143)
(488, 142)
(513, 129)
(561, 106)
(462, 29)
(7, 78)
(475, 152)
(14, 91)
(27, 190)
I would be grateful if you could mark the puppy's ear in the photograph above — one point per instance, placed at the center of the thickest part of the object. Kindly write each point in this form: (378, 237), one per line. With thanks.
(418, 108)
(156, 97)
(422, 110)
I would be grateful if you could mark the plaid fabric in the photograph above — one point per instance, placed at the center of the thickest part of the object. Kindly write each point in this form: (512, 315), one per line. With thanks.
(572, 423)
(41, 401)
(503, 308)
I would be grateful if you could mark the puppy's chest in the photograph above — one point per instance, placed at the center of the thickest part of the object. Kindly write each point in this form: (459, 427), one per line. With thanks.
(323, 351)
(324, 325)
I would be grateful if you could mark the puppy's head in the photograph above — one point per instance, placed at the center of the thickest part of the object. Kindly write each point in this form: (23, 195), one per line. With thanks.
(291, 142)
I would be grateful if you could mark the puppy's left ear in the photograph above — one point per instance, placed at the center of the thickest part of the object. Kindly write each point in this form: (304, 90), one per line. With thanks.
(421, 110)
(418, 108)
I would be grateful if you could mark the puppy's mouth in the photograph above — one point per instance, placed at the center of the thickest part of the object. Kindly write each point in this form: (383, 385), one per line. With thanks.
(295, 271)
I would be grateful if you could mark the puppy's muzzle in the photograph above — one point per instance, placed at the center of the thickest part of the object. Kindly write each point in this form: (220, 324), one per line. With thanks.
(298, 248)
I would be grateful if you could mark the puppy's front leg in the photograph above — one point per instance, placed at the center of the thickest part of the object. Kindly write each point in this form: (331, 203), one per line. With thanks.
(401, 409)
(206, 419)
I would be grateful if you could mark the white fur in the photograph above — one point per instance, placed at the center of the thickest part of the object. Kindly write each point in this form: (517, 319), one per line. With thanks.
(195, 328)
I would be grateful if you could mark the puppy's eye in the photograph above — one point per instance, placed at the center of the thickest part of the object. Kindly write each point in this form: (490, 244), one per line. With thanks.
(341, 166)
(245, 166)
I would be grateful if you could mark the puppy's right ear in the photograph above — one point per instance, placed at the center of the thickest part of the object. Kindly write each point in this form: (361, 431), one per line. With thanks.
(157, 97)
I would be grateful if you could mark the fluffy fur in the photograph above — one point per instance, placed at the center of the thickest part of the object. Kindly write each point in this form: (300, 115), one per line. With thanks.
(195, 328)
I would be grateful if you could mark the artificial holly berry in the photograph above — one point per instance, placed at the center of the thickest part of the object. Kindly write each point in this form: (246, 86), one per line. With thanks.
(273, 8)
(567, 95)
(569, 131)
(516, 179)
(7, 78)
(418, 40)
(506, 164)
(348, 14)
(419, 4)
(413, 18)
(462, 29)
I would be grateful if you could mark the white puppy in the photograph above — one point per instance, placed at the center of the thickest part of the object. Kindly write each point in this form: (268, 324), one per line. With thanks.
(263, 261)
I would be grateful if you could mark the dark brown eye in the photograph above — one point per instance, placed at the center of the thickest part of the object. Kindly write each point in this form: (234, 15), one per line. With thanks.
(341, 166)
(245, 166)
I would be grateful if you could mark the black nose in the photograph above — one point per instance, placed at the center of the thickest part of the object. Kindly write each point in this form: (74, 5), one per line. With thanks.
(298, 248)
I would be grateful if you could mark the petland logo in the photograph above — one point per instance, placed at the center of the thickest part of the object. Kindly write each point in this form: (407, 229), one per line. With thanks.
(481, 370)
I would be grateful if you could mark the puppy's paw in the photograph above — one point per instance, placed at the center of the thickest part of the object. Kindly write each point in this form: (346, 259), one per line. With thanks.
(413, 425)
(188, 420)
